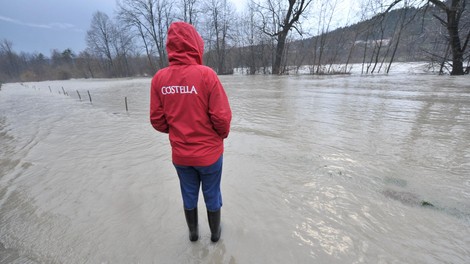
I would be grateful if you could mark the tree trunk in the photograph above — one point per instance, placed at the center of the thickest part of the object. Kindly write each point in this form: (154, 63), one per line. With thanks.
(454, 13)
(457, 54)
(284, 21)
(281, 43)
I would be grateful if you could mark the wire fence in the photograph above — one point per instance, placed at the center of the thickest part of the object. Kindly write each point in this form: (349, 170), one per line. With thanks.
(87, 97)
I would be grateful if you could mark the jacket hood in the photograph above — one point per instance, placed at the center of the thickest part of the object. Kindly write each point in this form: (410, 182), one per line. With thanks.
(184, 45)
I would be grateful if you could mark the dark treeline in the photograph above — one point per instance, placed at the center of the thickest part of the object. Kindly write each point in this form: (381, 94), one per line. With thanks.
(269, 37)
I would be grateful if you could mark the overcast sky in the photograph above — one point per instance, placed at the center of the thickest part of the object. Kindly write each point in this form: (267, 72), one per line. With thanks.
(44, 25)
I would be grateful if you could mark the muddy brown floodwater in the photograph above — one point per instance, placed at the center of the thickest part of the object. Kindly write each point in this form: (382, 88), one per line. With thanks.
(338, 169)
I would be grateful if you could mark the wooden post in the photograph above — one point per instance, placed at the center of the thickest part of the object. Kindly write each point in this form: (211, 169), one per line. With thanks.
(79, 97)
(64, 90)
(89, 96)
(50, 90)
(125, 100)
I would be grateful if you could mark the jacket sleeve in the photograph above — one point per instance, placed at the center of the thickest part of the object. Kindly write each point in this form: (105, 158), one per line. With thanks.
(219, 108)
(157, 115)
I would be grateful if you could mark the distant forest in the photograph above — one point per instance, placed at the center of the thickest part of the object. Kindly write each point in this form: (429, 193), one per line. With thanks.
(269, 37)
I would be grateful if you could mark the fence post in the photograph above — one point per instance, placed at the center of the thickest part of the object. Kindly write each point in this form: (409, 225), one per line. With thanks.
(89, 96)
(125, 100)
(79, 97)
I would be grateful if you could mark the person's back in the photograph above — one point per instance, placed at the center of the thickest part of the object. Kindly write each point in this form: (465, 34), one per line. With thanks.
(193, 102)
(188, 101)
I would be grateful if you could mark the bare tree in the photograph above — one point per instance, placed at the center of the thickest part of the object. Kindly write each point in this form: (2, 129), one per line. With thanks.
(123, 46)
(404, 21)
(219, 25)
(454, 11)
(454, 14)
(240, 40)
(325, 17)
(378, 43)
(10, 63)
(189, 11)
(100, 38)
(277, 20)
(132, 19)
(254, 42)
(87, 64)
(151, 19)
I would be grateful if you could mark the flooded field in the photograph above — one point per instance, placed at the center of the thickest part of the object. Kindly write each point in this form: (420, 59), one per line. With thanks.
(333, 169)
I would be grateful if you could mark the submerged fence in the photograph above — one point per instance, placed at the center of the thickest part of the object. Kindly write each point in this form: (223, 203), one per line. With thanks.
(63, 91)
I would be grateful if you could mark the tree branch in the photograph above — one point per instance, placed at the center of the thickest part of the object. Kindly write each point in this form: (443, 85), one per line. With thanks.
(392, 5)
(443, 22)
(466, 42)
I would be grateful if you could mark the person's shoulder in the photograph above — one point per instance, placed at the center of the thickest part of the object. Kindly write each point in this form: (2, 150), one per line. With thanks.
(161, 71)
(206, 69)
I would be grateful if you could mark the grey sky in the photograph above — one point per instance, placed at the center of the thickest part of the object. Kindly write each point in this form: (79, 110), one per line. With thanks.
(43, 25)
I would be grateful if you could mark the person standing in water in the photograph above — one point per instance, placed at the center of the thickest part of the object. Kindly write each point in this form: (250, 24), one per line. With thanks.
(188, 102)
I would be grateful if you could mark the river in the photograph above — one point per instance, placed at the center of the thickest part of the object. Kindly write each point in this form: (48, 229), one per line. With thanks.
(331, 169)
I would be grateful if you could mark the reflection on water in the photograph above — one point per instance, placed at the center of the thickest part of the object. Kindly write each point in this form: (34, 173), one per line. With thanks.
(317, 169)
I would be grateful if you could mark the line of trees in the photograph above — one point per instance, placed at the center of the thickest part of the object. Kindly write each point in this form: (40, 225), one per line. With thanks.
(268, 37)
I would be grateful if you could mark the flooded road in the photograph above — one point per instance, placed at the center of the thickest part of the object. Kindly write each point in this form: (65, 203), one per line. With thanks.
(330, 169)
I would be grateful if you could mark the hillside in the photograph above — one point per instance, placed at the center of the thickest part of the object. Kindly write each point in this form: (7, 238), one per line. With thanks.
(402, 35)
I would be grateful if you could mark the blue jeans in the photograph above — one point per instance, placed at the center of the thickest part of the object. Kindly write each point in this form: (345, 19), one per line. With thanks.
(191, 178)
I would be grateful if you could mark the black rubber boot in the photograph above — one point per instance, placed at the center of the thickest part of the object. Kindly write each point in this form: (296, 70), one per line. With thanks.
(191, 220)
(214, 224)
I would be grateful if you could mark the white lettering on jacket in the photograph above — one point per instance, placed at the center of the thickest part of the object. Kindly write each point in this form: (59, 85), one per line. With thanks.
(178, 90)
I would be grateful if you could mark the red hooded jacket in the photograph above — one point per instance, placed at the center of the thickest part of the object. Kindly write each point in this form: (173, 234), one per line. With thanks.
(188, 101)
